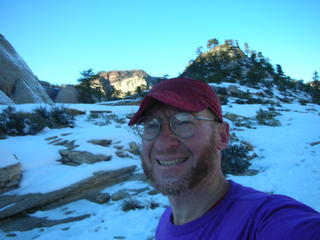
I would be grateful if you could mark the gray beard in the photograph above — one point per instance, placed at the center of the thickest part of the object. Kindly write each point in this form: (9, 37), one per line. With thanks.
(169, 186)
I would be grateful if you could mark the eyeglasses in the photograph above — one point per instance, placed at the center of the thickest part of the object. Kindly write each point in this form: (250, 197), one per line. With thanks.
(183, 125)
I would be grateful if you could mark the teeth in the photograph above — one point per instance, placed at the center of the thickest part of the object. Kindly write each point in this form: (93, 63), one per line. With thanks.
(171, 162)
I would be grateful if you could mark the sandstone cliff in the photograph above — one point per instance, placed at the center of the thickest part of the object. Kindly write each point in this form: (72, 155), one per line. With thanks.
(16, 79)
(127, 81)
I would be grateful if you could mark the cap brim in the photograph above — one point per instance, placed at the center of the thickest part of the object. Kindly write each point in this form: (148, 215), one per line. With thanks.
(171, 100)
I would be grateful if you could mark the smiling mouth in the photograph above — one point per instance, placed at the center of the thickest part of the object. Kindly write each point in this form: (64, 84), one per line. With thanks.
(171, 162)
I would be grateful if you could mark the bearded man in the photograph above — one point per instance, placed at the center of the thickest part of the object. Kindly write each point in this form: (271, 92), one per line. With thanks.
(183, 133)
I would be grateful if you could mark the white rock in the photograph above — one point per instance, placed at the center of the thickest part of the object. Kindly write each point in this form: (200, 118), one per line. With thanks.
(17, 80)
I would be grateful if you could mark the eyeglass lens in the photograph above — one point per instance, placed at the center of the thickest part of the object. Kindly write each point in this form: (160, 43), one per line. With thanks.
(181, 124)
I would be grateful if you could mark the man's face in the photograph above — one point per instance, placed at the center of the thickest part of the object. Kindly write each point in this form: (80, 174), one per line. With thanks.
(175, 165)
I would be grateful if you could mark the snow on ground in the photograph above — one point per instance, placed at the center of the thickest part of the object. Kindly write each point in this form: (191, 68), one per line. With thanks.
(287, 164)
(38, 158)
(7, 159)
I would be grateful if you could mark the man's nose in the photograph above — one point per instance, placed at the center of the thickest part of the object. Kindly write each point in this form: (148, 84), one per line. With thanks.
(166, 140)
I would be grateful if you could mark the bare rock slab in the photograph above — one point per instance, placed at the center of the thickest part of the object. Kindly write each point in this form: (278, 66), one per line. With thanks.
(13, 205)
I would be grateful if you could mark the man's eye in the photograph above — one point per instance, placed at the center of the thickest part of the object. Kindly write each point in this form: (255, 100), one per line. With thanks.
(185, 122)
(151, 126)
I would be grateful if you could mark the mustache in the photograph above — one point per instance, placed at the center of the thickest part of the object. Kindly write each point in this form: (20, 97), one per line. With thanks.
(169, 153)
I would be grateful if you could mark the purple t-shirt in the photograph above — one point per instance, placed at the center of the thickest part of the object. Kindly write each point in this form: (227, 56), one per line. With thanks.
(245, 213)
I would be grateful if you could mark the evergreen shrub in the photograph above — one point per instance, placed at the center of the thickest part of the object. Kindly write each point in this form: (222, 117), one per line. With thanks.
(131, 204)
(60, 118)
(303, 102)
(18, 123)
(152, 204)
(103, 119)
(234, 159)
(267, 117)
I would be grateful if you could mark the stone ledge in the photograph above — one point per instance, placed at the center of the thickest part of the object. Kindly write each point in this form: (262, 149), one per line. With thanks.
(13, 205)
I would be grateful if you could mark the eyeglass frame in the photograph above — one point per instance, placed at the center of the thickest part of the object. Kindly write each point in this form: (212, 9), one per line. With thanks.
(170, 125)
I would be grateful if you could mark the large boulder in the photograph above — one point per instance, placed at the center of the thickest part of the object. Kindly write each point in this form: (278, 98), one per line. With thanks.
(51, 89)
(16, 79)
(67, 94)
(127, 81)
(10, 171)
(4, 99)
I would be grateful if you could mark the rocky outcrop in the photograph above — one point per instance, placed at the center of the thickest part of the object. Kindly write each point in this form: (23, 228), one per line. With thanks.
(104, 86)
(100, 142)
(16, 79)
(127, 81)
(134, 148)
(67, 94)
(225, 49)
(10, 171)
(233, 90)
(4, 99)
(74, 158)
(12, 205)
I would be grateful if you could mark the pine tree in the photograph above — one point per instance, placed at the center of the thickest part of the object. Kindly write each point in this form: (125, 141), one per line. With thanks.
(199, 50)
(212, 43)
(280, 80)
(87, 75)
(279, 71)
(315, 88)
(315, 76)
(88, 94)
(246, 49)
(315, 84)
(229, 42)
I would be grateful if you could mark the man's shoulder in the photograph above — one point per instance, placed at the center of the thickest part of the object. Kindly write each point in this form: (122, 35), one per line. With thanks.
(240, 194)
(262, 201)
(246, 213)
(247, 195)
(274, 215)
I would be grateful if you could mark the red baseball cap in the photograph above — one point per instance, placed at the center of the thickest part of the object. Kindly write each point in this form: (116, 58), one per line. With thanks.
(182, 93)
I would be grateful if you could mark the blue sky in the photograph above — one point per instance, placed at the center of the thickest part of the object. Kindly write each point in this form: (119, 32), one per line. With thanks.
(60, 38)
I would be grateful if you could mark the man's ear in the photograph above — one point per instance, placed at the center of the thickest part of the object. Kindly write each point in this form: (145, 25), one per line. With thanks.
(223, 132)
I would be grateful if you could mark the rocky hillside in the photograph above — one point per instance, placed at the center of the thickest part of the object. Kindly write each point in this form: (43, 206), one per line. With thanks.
(17, 81)
(228, 63)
